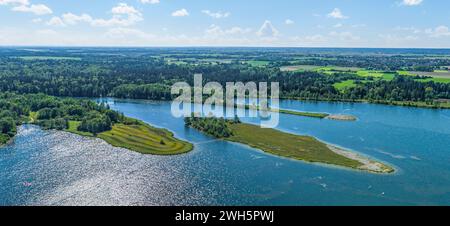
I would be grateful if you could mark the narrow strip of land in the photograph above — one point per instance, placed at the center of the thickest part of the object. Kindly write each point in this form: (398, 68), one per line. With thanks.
(304, 148)
(320, 115)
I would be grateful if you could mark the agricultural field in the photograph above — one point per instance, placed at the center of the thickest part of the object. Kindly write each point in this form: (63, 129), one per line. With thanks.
(441, 76)
(342, 86)
(258, 63)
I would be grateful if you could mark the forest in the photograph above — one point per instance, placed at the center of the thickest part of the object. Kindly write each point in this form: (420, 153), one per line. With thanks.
(149, 73)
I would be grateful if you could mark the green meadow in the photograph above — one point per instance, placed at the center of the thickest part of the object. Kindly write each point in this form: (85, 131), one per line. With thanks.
(258, 63)
(141, 138)
(342, 86)
(304, 148)
(440, 76)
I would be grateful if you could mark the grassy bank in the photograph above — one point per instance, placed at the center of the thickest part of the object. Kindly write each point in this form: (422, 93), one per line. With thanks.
(289, 112)
(288, 145)
(304, 114)
(141, 138)
(304, 148)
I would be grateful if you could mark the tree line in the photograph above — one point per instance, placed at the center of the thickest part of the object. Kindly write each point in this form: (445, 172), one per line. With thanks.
(149, 77)
(54, 113)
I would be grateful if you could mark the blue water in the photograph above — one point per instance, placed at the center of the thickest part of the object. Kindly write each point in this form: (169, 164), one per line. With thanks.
(57, 168)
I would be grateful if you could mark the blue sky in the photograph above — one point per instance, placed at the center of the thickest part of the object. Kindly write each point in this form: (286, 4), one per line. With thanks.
(299, 23)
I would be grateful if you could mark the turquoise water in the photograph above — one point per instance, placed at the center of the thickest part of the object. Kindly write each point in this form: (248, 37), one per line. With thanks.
(57, 168)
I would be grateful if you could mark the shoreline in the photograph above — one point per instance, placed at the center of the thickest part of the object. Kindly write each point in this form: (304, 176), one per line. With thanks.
(369, 164)
(296, 147)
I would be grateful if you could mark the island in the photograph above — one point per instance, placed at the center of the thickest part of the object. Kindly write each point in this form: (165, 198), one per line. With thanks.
(304, 148)
(340, 117)
(85, 118)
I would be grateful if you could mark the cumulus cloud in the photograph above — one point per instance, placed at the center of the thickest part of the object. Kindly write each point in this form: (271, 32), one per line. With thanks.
(56, 21)
(25, 6)
(39, 9)
(149, 1)
(180, 13)
(337, 14)
(215, 30)
(412, 2)
(123, 15)
(72, 19)
(216, 15)
(267, 30)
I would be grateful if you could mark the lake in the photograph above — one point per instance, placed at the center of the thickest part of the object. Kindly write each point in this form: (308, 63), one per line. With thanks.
(58, 168)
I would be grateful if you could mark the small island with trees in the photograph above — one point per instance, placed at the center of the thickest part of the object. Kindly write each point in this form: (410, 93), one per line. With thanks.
(304, 148)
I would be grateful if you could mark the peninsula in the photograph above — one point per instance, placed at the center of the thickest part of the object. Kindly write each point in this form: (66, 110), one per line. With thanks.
(304, 148)
(85, 118)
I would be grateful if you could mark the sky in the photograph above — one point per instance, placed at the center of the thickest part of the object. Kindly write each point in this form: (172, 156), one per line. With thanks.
(274, 23)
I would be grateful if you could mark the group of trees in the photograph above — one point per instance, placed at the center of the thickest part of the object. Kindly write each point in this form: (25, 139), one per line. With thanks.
(54, 113)
(217, 127)
(147, 91)
(95, 122)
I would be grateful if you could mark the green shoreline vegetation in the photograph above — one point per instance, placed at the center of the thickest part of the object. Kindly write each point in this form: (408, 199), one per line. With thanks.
(303, 113)
(304, 148)
(85, 118)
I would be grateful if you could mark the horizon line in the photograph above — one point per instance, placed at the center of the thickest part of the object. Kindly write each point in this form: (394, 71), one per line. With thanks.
(200, 46)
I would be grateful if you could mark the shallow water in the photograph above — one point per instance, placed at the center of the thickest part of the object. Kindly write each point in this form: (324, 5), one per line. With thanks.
(57, 168)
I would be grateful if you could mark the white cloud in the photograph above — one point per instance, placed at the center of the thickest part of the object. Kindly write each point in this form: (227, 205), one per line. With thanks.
(215, 30)
(26, 7)
(337, 14)
(149, 1)
(441, 31)
(412, 2)
(180, 13)
(289, 22)
(56, 21)
(123, 8)
(123, 15)
(338, 25)
(216, 15)
(267, 30)
(72, 19)
(14, 2)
